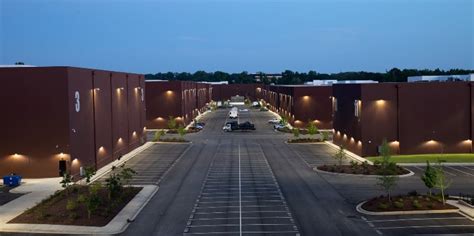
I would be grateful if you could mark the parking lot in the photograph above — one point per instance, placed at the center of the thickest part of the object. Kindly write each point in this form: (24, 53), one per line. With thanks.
(316, 154)
(451, 223)
(151, 164)
(277, 192)
(449, 170)
(240, 195)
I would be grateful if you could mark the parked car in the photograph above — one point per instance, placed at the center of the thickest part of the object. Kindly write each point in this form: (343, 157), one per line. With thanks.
(279, 126)
(274, 121)
(246, 126)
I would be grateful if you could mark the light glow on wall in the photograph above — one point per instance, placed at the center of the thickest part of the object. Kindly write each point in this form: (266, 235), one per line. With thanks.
(169, 92)
(159, 118)
(431, 142)
(380, 102)
(306, 97)
(134, 133)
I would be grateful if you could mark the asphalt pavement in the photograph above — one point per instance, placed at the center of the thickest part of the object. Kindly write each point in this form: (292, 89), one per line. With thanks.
(253, 183)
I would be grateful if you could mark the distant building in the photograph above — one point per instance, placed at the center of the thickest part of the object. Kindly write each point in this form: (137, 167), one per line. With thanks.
(330, 82)
(428, 78)
(259, 76)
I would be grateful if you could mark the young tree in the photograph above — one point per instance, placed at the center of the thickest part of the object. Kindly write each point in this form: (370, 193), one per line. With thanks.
(171, 122)
(66, 182)
(283, 120)
(126, 174)
(296, 132)
(158, 135)
(89, 171)
(388, 179)
(429, 176)
(312, 129)
(340, 155)
(441, 182)
(181, 131)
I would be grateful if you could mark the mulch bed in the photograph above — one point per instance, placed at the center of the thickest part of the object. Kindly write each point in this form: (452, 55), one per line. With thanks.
(173, 140)
(53, 210)
(406, 203)
(6, 196)
(304, 140)
(361, 169)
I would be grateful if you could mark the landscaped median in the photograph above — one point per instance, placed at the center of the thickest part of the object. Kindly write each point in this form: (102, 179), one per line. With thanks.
(89, 208)
(433, 158)
(405, 204)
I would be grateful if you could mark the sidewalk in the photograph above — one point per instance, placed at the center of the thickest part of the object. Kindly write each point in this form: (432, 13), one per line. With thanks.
(35, 189)
(38, 189)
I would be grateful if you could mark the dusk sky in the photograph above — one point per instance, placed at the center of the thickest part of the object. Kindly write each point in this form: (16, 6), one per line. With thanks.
(236, 35)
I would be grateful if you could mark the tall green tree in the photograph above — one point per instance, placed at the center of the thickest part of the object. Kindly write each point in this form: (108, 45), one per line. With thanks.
(429, 177)
(388, 179)
(441, 181)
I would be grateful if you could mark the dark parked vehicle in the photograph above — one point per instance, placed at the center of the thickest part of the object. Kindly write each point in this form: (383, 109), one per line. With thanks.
(246, 126)
(233, 125)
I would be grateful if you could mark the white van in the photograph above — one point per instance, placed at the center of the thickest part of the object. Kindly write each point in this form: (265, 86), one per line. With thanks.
(233, 114)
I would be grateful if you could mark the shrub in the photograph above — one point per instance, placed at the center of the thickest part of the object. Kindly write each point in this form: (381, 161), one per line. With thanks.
(325, 136)
(353, 164)
(71, 205)
(416, 204)
(398, 205)
(382, 206)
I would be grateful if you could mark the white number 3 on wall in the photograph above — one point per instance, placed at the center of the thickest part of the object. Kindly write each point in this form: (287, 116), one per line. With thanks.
(77, 103)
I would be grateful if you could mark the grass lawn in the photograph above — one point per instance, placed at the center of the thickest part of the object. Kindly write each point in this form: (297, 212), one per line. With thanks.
(432, 158)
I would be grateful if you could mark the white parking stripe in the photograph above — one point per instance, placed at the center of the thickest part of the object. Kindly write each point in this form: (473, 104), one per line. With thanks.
(459, 170)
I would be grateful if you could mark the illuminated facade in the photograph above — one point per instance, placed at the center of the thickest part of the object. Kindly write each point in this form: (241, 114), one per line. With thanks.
(65, 117)
(415, 118)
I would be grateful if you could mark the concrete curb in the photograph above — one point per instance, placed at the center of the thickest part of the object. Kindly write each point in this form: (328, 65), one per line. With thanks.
(117, 225)
(305, 143)
(444, 164)
(107, 168)
(392, 213)
(368, 176)
(350, 154)
(464, 208)
(161, 142)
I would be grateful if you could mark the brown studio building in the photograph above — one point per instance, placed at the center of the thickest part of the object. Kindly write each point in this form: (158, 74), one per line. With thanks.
(59, 118)
(302, 104)
(222, 92)
(415, 118)
(181, 100)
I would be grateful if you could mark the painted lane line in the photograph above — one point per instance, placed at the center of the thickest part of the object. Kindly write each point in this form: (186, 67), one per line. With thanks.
(417, 219)
(240, 194)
